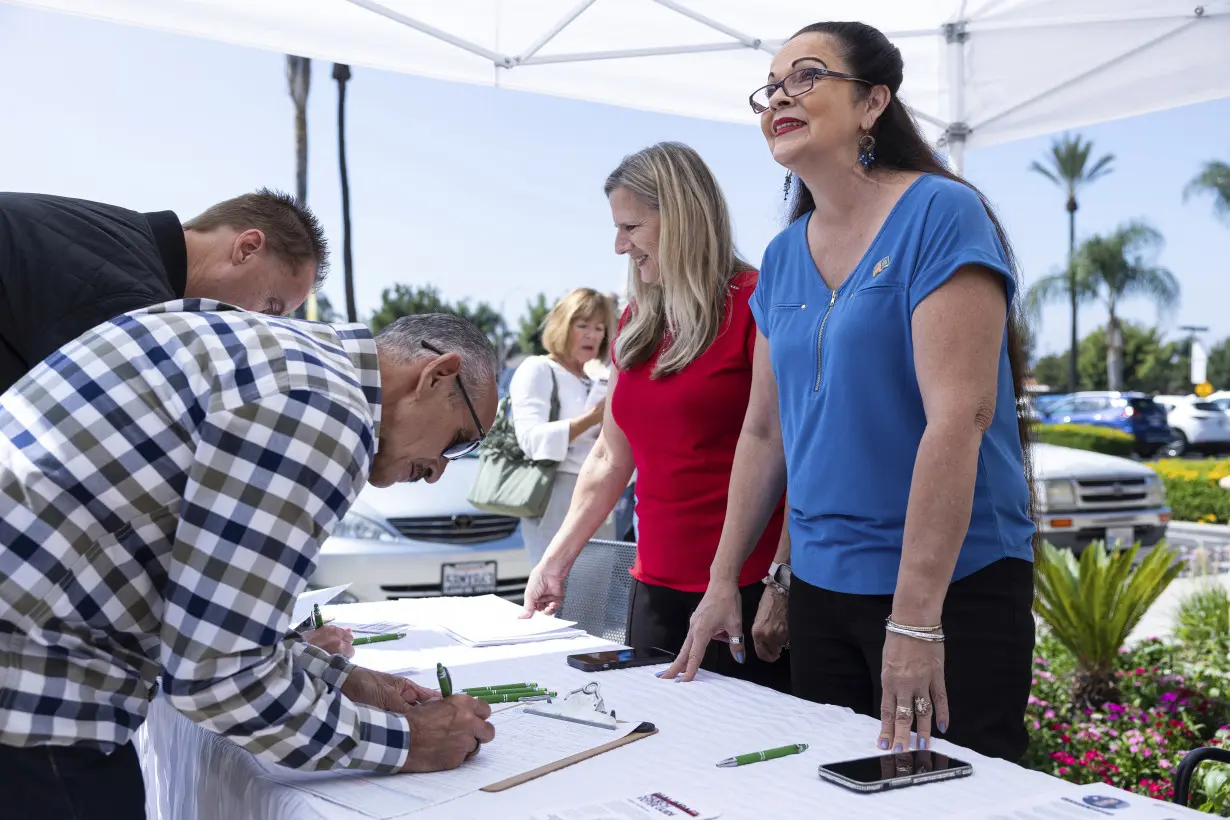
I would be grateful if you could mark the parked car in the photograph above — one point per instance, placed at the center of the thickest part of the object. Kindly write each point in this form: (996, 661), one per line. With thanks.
(424, 540)
(1085, 496)
(1134, 413)
(1195, 425)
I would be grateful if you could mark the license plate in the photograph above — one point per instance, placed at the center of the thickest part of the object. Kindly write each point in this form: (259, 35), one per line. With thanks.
(1122, 537)
(473, 578)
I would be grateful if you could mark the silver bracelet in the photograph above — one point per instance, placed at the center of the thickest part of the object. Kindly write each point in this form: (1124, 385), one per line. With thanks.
(937, 628)
(932, 637)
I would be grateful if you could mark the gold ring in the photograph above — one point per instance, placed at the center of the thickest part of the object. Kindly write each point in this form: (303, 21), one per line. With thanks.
(922, 706)
(905, 712)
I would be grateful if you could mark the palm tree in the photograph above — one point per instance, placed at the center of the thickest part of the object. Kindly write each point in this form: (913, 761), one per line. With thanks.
(341, 73)
(1110, 269)
(1092, 607)
(1214, 179)
(1070, 169)
(299, 80)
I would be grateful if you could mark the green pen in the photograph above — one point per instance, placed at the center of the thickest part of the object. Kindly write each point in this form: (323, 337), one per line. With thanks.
(446, 680)
(511, 689)
(538, 690)
(768, 754)
(316, 616)
(514, 698)
(500, 688)
(391, 636)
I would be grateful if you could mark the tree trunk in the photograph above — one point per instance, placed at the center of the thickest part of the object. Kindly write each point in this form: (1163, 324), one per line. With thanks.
(299, 78)
(341, 73)
(1075, 340)
(1114, 354)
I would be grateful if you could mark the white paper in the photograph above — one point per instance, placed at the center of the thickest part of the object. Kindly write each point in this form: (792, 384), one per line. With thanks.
(645, 807)
(490, 621)
(523, 743)
(1090, 803)
(303, 606)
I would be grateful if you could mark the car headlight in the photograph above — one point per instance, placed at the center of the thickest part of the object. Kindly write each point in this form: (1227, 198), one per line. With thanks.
(362, 528)
(1057, 494)
(1155, 492)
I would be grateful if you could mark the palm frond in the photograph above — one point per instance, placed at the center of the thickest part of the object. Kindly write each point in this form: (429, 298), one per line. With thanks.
(1092, 606)
(1213, 179)
(1039, 168)
(1070, 168)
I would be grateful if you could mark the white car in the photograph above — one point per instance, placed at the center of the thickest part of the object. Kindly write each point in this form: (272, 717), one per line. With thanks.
(422, 540)
(1196, 424)
(1085, 496)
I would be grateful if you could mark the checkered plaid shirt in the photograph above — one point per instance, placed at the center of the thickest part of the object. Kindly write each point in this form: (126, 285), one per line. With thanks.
(165, 483)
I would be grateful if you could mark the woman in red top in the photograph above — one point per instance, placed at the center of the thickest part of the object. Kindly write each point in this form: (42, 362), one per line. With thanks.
(678, 393)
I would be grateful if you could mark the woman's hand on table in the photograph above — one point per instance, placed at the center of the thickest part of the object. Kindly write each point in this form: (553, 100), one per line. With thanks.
(545, 589)
(333, 639)
(913, 677)
(445, 733)
(719, 615)
(770, 633)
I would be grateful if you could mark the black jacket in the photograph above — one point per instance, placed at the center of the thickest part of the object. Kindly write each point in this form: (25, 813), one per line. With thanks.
(67, 265)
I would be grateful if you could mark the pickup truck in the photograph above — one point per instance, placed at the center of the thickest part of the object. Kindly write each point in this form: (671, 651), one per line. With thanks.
(1084, 497)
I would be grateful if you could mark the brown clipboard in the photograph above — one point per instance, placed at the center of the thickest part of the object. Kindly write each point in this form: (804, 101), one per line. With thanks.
(642, 731)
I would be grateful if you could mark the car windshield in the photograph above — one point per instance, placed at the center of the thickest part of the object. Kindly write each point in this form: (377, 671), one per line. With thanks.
(1143, 404)
(1205, 405)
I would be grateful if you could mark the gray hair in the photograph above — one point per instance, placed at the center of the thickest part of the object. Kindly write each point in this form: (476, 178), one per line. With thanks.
(448, 333)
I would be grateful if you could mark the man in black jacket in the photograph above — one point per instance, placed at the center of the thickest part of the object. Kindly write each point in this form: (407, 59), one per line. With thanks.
(67, 265)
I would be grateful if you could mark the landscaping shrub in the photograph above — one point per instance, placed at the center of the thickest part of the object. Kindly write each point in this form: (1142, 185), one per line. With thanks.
(1192, 490)
(1087, 437)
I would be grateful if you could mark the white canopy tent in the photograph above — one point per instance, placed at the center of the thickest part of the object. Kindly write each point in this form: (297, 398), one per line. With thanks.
(978, 72)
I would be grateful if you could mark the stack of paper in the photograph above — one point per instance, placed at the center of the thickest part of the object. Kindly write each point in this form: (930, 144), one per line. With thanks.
(492, 621)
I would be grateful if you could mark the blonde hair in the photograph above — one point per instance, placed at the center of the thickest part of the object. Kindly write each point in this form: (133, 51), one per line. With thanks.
(696, 258)
(579, 304)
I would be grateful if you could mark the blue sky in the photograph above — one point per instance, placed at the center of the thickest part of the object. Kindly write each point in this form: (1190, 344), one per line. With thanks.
(497, 195)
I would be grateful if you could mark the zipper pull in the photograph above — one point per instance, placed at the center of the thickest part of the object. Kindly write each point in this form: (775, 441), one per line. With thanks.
(833, 298)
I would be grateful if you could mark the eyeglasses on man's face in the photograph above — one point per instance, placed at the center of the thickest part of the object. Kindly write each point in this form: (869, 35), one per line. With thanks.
(459, 449)
(795, 84)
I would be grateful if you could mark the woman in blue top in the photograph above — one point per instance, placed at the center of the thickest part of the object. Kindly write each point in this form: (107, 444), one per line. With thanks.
(884, 401)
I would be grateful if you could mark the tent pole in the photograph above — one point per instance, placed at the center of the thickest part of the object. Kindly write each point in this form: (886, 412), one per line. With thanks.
(957, 131)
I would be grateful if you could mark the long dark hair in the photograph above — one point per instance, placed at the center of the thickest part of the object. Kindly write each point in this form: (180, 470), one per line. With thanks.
(900, 146)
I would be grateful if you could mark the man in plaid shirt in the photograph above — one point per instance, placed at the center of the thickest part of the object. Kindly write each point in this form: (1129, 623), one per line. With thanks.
(165, 483)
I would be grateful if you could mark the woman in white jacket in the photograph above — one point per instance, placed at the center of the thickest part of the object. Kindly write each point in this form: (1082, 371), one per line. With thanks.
(576, 332)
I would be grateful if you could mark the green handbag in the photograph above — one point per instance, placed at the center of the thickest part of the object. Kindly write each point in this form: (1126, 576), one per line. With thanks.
(508, 483)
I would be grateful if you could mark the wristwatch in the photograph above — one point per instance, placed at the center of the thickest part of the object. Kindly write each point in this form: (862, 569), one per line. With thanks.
(779, 578)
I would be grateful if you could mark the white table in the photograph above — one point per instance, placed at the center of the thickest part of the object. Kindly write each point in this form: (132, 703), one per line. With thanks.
(192, 774)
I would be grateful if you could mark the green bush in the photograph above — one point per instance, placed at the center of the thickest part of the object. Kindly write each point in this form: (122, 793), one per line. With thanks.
(1203, 617)
(1193, 491)
(1087, 437)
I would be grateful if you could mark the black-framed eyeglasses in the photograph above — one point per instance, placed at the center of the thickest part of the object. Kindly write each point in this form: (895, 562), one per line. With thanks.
(795, 84)
(461, 448)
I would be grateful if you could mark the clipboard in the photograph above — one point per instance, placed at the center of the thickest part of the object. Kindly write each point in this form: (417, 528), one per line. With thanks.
(642, 731)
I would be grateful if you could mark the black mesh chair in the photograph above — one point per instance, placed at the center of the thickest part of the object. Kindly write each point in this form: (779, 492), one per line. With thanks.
(598, 588)
(1187, 767)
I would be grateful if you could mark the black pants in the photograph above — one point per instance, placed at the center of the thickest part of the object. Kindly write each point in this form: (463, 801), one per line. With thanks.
(836, 641)
(70, 783)
(659, 616)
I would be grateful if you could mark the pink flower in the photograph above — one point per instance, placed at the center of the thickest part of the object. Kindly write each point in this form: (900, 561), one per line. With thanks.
(1164, 763)
(1145, 752)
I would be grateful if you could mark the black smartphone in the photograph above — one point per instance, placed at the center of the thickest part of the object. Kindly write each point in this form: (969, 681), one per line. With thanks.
(894, 771)
(620, 659)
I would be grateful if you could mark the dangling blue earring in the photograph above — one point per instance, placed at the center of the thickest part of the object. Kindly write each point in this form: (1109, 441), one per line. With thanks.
(866, 151)
(786, 186)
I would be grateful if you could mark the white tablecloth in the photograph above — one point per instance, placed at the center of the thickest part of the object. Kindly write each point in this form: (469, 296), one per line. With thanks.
(192, 774)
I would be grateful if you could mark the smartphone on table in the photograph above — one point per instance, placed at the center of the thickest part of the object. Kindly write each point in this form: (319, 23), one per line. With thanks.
(894, 771)
(620, 659)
